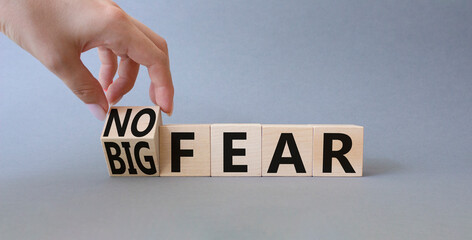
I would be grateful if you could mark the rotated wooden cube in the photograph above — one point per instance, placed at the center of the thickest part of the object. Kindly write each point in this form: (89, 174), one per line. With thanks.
(130, 141)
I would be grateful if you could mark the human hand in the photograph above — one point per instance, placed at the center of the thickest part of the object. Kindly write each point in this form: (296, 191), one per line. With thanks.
(56, 32)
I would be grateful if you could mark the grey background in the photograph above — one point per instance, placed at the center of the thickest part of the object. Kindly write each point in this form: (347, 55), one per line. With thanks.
(402, 69)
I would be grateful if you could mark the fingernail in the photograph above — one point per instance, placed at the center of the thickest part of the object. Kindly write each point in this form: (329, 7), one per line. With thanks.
(97, 111)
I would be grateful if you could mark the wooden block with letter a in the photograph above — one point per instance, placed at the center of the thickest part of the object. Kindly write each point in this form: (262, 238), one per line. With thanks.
(130, 141)
(287, 150)
(235, 150)
(184, 150)
(338, 150)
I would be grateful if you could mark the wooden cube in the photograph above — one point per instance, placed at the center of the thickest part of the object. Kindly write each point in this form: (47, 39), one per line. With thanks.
(130, 141)
(287, 150)
(236, 150)
(338, 150)
(185, 150)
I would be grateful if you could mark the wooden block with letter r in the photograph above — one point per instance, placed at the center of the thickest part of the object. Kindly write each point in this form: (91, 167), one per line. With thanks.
(338, 150)
(236, 150)
(184, 150)
(287, 150)
(130, 141)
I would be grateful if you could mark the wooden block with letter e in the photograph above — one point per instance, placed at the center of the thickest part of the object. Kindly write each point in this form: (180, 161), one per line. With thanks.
(287, 150)
(236, 150)
(184, 150)
(130, 140)
(338, 150)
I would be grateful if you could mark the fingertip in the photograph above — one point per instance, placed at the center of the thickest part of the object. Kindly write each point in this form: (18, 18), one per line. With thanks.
(152, 94)
(98, 111)
(103, 103)
(165, 99)
(171, 110)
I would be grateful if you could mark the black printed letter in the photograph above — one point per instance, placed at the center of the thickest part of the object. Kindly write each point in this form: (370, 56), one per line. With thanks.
(152, 121)
(152, 167)
(176, 152)
(329, 154)
(116, 157)
(295, 159)
(121, 129)
(229, 152)
(131, 168)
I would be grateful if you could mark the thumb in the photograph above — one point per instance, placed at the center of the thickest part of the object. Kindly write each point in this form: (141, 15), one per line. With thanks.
(83, 84)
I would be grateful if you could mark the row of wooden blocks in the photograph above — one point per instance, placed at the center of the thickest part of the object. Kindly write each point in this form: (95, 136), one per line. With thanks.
(137, 144)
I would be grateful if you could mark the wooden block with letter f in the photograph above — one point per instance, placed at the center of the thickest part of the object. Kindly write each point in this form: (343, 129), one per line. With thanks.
(184, 150)
(338, 150)
(130, 141)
